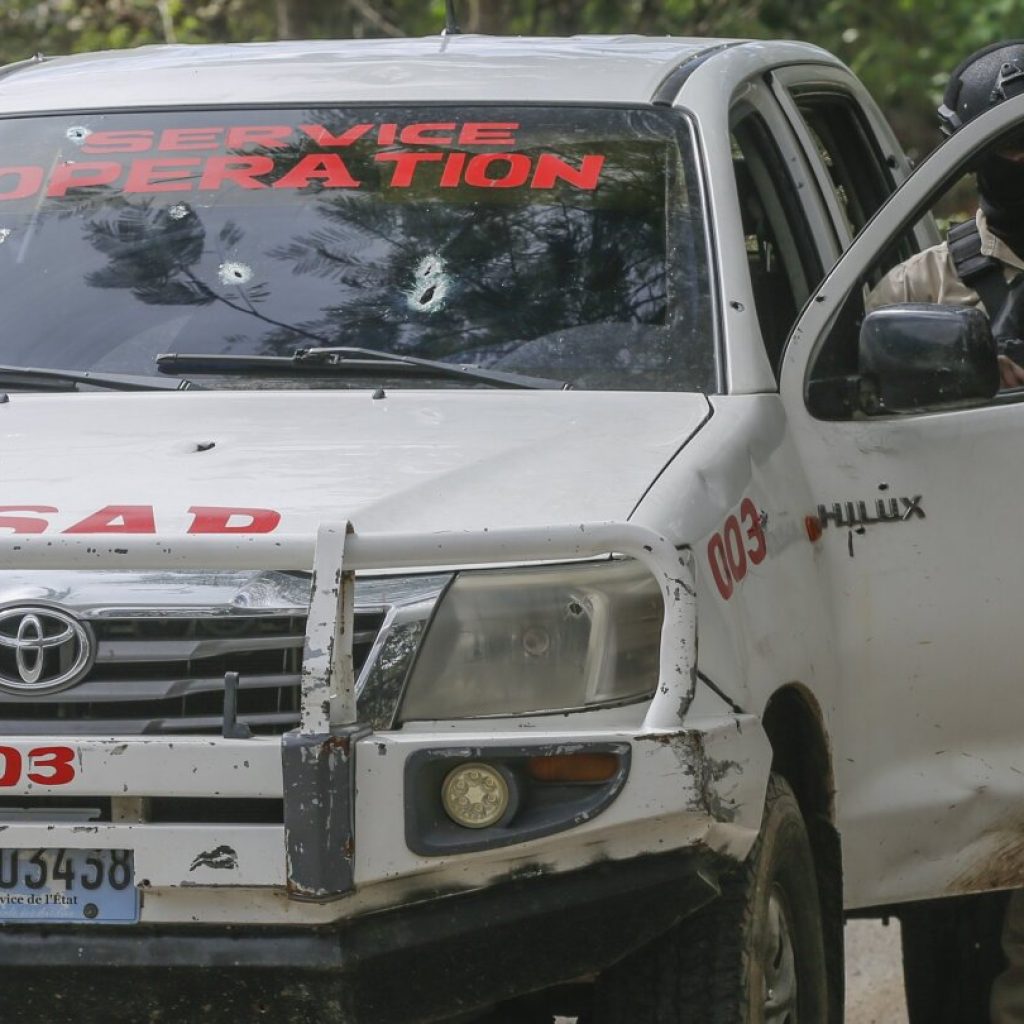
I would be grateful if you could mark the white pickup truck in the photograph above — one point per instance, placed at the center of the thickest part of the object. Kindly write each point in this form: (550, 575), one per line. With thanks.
(442, 570)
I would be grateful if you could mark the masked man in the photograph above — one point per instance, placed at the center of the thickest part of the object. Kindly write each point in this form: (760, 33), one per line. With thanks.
(983, 257)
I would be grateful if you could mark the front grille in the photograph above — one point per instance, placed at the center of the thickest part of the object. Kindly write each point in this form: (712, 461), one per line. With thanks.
(163, 810)
(164, 675)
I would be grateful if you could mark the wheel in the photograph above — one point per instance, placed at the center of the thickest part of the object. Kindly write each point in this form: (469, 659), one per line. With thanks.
(951, 956)
(755, 955)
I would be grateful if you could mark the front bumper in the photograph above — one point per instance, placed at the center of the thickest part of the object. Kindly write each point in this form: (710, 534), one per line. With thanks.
(445, 956)
(699, 786)
(329, 912)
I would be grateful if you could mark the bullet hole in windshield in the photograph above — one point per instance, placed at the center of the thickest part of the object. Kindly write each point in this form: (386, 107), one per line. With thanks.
(179, 211)
(429, 286)
(78, 134)
(5, 233)
(232, 273)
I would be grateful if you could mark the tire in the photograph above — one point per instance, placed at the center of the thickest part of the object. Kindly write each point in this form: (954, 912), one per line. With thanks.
(755, 955)
(951, 956)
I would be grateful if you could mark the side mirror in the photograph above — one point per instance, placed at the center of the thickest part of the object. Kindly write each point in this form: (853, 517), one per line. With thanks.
(918, 356)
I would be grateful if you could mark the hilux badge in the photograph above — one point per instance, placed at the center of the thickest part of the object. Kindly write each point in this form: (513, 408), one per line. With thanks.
(855, 513)
(42, 649)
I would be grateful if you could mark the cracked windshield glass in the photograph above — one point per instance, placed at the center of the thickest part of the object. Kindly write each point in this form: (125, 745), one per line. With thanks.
(558, 244)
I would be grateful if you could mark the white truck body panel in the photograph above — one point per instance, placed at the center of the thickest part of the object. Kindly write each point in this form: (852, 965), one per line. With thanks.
(413, 460)
(922, 616)
(455, 69)
(752, 516)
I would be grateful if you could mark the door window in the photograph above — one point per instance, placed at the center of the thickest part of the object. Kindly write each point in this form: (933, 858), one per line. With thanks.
(841, 385)
(782, 260)
(860, 175)
(858, 172)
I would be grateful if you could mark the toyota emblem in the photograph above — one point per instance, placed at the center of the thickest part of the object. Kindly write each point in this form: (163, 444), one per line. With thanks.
(42, 650)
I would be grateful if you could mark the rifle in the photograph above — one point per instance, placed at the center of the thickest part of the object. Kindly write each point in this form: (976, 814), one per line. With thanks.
(1008, 325)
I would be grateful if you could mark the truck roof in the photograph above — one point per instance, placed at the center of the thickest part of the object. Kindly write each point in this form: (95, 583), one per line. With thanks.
(459, 68)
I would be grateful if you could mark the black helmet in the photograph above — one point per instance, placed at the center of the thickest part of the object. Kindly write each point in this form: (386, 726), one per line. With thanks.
(993, 74)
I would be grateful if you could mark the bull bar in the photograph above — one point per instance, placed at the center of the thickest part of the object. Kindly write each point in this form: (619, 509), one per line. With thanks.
(311, 766)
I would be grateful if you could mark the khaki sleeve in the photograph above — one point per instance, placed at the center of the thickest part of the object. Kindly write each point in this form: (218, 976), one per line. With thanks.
(891, 289)
(929, 276)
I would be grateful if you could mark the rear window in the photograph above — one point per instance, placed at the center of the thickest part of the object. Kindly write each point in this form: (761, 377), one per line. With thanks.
(563, 243)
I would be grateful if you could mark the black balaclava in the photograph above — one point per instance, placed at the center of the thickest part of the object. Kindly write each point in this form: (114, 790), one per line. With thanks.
(981, 81)
(1001, 191)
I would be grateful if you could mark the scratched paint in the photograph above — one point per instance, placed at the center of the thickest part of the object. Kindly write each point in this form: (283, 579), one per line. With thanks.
(221, 858)
(707, 772)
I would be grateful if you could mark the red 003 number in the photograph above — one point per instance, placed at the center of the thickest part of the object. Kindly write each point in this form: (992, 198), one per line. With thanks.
(739, 544)
(45, 766)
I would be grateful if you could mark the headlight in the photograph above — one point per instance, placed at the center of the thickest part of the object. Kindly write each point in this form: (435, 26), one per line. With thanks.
(534, 640)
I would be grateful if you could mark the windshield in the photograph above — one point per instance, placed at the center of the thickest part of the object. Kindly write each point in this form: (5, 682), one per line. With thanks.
(560, 243)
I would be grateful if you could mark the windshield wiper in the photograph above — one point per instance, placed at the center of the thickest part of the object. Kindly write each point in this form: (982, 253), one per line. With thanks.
(348, 361)
(68, 380)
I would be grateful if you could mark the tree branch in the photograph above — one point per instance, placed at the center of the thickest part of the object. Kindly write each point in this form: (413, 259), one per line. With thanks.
(375, 18)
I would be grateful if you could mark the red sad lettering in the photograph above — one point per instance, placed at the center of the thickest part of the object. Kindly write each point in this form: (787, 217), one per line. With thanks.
(552, 169)
(215, 519)
(117, 519)
(27, 182)
(24, 524)
(141, 519)
(327, 168)
(242, 171)
(79, 175)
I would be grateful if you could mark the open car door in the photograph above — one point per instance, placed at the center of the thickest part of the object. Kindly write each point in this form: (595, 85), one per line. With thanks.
(921, 504)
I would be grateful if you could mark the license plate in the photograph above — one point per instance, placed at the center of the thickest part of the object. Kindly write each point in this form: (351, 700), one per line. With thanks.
(68, 886)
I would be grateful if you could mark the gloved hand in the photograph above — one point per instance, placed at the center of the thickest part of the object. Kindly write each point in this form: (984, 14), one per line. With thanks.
(1008, 330)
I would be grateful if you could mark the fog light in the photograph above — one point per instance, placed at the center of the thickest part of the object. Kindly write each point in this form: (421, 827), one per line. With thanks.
(475, 795)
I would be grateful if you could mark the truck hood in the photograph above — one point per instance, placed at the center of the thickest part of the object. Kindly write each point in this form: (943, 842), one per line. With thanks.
(408, 461)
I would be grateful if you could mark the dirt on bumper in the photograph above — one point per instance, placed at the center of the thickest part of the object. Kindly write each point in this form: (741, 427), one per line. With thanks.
(435, 959)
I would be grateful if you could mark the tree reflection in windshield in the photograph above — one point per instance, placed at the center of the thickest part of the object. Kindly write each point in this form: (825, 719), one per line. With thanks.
(154, 252)
(604, 284)
(459, 281)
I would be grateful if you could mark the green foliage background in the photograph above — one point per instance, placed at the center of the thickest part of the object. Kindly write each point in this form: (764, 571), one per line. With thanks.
(903, 49)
